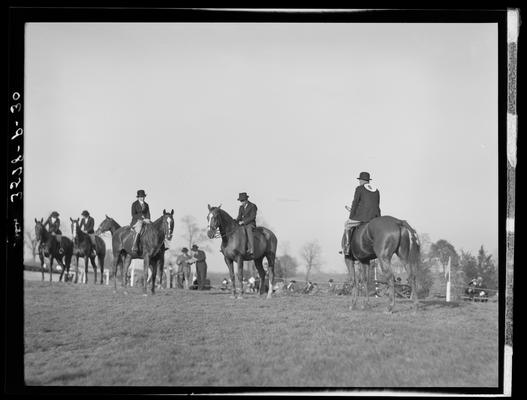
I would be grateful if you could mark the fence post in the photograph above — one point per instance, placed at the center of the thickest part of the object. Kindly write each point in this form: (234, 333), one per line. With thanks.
(107, 276)
(132, 274)
(448, 280)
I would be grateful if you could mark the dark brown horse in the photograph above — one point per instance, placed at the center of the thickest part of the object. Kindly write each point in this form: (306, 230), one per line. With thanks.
(381, 238)
(151, 245)
(49, 247)
(83, 247)
(233, 247)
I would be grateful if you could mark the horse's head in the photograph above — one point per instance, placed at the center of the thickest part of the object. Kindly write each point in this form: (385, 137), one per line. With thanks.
(105, 225)
(39, 228)
(214, 221)
(74, 226)
(168, 224)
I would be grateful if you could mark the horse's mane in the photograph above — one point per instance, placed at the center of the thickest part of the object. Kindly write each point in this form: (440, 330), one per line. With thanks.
(224, 214)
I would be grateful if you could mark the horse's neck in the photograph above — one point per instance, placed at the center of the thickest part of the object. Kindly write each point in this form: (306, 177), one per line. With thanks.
(46, 236)
(114, 226)
(227, 225)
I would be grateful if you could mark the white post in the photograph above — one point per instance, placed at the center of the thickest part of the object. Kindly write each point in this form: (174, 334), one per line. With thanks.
(107, 276)
(132, 274)
(448, 280)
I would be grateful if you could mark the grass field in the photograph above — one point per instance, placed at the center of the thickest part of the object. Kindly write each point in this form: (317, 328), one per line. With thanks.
(87, 335)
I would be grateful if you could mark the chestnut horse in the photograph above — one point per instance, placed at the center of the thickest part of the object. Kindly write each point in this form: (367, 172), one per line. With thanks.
(381, 238)
(233, 247)
(152, 244)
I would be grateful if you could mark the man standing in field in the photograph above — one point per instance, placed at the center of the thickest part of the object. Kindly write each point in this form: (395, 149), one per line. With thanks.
(364, 208)
(140, 215)
(247, 219)
(183, 271)
(199, 257)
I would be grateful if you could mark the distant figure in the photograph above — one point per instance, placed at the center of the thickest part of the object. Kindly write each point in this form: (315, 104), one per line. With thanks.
(86, 225)
(332, 286)
(364, 208)
(247, 218)
(53, 222)
(140, 215)
(224, 284)
(252, 282)
(183, 271)
(199, 257)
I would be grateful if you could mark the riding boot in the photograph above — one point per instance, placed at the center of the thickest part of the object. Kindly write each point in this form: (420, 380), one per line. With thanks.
(59, 239)
(134, 245)
(347, 250)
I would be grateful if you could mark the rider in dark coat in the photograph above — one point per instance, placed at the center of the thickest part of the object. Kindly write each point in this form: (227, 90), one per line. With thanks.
(140, 214)
(364, 208)
(53, 222)
(247, 218)
(87, 223)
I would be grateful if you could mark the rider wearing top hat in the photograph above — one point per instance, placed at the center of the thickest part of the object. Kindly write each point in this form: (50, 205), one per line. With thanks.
(364, 208)
(87, 223)
(247, 218)
(53, 222)
(140, 215)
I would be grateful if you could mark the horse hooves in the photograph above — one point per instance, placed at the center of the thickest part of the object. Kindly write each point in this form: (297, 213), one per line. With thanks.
(145, 294)
(241, 297)
(232, 296)
(388, 311)
(268, 297)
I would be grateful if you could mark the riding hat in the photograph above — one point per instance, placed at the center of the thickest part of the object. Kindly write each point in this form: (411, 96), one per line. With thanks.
(54, 214)
(194, 247)
(85, 213)
(242, 196)
(365, 176)
(141, 193)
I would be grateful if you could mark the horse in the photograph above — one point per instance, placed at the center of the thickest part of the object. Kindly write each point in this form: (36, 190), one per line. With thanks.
(152, 244)
(49, 247)
(381, 238)
(83, 247)
(233, 247)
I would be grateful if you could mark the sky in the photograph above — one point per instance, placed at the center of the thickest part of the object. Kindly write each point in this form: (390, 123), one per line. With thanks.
(195, 113)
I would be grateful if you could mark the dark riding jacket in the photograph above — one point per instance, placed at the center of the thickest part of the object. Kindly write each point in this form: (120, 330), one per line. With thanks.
(139, 212)
(247, 214)
(365, 204)
(54, 227)
(88, 225)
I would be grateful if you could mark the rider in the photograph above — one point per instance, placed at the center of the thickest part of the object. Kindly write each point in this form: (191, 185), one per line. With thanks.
(140, 215)
(247, 218)
(87, 223)
(53, 222)
(364, 208)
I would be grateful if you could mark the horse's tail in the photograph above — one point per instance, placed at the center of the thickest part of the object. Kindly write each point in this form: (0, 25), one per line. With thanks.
(414, 246)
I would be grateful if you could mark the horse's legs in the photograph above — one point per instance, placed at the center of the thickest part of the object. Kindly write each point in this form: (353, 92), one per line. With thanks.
(92, 260)
(126, 260)
(230, 265)
(101, 266)
(270, 269)
(388, 273)
(51, 268)
(76, 268)
(41, 256)
(261, 273)
(239, 262)
(146, 264)
(366, 273)
(86, 264)
(353, 281)
(155, 266)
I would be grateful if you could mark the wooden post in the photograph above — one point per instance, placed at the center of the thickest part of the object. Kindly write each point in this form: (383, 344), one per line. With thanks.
(132, 274)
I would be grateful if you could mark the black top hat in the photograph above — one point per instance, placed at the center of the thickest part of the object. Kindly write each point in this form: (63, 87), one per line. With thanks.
(184, 250)
(54, 214)
(85, 213)
(194, 247)
(141, 193)
(242, 196)
(365, 176)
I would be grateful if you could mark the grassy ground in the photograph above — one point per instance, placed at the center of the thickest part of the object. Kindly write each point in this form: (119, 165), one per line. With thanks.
(87, 335)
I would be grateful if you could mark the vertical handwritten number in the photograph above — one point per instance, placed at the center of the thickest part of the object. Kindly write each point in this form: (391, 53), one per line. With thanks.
(18, 132)
(16, 96)
(19, 169)
(15, 183)
(15, 195)
(16, 107)
(18, 159)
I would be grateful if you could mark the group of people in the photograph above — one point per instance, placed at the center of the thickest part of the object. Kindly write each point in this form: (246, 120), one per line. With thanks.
(184, 261)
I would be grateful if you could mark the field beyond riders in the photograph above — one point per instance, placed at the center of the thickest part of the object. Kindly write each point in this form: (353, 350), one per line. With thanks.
(78, 334)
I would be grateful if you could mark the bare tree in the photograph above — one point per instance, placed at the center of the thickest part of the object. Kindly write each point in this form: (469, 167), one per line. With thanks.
(193, 232)
(31, 242)
(311, 254)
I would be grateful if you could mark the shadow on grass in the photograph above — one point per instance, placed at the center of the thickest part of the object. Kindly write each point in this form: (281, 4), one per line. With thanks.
(424, 304)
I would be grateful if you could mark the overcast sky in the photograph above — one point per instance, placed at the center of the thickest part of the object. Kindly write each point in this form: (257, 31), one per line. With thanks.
(289, 113)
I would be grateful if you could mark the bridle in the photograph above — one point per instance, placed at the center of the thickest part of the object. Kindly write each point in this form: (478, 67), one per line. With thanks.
(218, 232)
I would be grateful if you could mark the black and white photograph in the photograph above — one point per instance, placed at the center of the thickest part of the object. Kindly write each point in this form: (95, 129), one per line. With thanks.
(264, 201)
